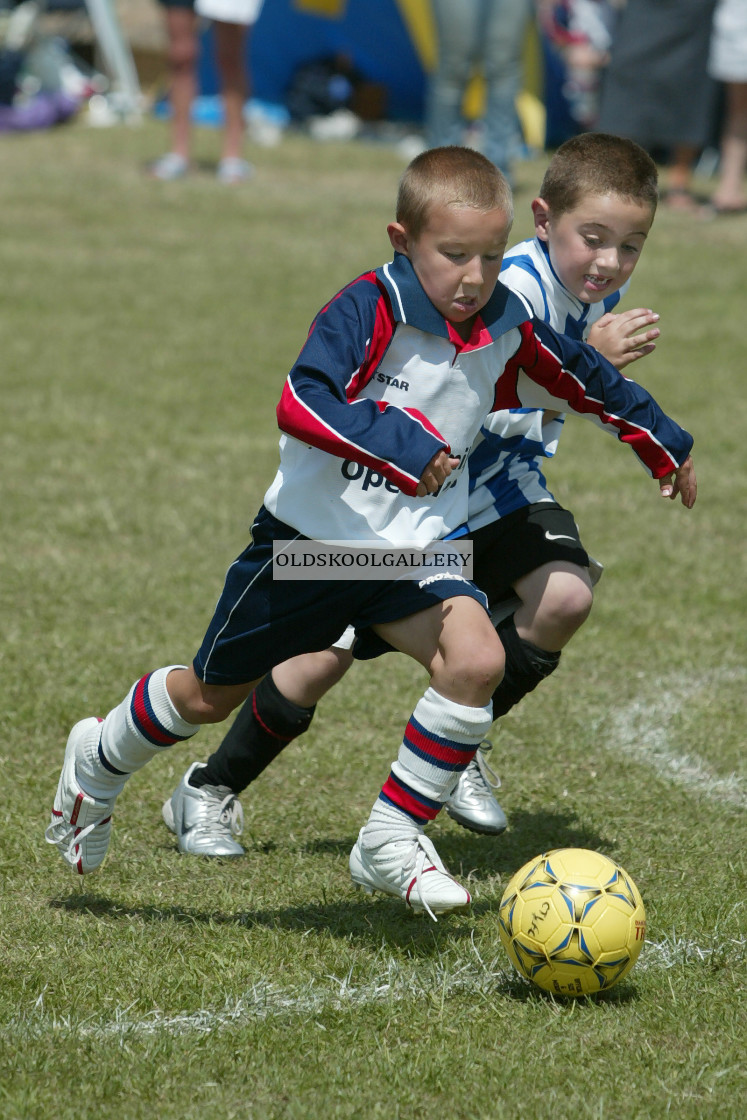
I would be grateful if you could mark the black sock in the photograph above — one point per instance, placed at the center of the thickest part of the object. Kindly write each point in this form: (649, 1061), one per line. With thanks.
(265, 724)
(526, 666)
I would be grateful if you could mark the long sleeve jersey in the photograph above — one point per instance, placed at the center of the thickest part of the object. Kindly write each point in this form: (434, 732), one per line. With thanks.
(384, 382)
(505, 464)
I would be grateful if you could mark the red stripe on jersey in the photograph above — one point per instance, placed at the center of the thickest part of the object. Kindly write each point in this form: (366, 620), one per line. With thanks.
(425, 423)
(381, 336)
(298, 420)
(421, 419)
(562, 383)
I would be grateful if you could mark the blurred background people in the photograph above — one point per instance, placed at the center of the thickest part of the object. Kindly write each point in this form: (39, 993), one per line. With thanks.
(728, 64)
(656, 88)
(580, 31)
(485, 36)
(232, 21)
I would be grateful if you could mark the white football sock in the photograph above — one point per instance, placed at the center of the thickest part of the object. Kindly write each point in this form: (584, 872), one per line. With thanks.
(143, 725)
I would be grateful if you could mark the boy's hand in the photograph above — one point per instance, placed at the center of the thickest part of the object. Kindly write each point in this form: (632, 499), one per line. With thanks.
(682, 482)
(436, 473)
(622, 338)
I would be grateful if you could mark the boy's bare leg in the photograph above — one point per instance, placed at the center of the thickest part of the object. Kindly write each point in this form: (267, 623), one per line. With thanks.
(305, 679)
(555, 601)
(456, 643)
(197, 702)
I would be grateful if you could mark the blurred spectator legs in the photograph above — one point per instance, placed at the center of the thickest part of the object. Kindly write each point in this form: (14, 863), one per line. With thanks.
(484, 35)
(230, 52)
(730, 195)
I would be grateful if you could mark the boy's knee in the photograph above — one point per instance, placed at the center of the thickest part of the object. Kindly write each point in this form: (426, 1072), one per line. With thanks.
(564, 607)
(198, 702)
(476, 674)
(490, 667)
(575, 605)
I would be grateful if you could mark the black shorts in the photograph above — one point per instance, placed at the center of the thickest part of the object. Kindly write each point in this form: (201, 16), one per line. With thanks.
(504, 551)
(514, 546)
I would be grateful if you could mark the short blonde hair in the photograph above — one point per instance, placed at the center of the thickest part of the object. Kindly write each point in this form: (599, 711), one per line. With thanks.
(452, 176)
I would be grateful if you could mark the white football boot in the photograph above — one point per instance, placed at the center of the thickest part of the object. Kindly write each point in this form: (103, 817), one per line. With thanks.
(406, 865)
(81, 825)
(472, 803)
(205, 820)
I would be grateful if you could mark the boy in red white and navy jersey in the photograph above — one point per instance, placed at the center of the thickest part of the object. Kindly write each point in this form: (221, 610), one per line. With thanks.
(592, 217)
(364, 460)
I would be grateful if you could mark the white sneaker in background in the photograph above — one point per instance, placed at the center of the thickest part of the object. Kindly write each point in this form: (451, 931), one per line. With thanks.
(234, 171)
(170, 166)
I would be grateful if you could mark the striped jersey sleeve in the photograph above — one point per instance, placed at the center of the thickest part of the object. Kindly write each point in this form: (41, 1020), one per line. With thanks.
(320, 403)
(549, 369)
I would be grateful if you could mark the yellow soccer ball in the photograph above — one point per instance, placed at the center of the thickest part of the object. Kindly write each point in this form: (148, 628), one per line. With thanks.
(572, 921)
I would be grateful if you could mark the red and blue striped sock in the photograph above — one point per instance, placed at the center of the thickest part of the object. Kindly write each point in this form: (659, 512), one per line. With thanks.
(440, 741)
(145, 723)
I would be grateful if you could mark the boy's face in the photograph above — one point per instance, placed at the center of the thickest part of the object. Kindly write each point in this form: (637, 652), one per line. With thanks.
(457, 258)
(594, 248)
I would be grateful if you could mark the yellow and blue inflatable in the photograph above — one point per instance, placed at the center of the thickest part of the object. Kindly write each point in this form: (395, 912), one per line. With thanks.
(391, 42)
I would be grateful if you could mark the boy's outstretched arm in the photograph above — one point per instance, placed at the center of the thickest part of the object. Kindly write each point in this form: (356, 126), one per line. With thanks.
(549, 367)
(682, 482)
(623, 338)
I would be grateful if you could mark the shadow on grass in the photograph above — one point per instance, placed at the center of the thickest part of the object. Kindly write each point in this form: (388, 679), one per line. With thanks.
(371, 922)
(383, 919)
(529, 834)
(384, 924)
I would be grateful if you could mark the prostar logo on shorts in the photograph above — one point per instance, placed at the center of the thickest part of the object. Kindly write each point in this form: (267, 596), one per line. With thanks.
(441, 575)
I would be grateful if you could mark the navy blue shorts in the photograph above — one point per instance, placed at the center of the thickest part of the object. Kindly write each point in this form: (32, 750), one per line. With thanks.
(260, 622)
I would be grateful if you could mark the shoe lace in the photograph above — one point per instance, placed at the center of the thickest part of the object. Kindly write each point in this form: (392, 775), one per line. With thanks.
(229, 813)
(425, 849)
(480, 773)
(65, 835)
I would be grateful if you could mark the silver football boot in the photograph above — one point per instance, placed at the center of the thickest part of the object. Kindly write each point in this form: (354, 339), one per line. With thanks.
(206, 821)
(473, 804)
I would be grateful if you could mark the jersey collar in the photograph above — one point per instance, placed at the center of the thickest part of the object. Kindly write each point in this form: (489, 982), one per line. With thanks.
(411, 305)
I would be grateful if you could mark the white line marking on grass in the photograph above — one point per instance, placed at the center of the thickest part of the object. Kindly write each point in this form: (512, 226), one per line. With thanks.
(332, 993)
(642, 731)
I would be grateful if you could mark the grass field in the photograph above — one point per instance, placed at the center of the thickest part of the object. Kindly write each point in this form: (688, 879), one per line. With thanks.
(146, 331)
